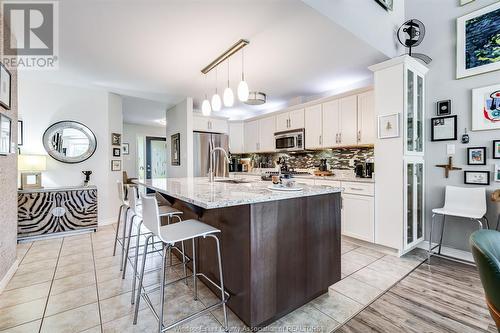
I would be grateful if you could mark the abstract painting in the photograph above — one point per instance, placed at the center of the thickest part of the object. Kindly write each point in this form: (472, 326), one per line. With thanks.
(478, 41)
(486, 108)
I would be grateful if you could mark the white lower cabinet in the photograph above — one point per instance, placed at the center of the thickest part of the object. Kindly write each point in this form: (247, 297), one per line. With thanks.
(358, 213)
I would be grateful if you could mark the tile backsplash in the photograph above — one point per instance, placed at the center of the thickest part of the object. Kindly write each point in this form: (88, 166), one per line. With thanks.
(337, 158)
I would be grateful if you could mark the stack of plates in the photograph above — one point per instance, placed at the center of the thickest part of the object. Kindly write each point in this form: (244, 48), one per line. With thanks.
(281, 187)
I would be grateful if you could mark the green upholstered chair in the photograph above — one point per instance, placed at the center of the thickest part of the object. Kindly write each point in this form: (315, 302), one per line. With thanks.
(486, 251)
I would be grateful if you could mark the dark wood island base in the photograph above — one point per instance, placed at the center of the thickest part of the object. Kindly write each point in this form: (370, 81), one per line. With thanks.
(277, 255)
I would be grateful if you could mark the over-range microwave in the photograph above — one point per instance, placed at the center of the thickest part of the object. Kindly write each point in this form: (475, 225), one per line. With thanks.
(289, 140)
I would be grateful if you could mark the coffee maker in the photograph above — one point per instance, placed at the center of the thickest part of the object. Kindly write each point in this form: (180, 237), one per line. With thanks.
(365, 169)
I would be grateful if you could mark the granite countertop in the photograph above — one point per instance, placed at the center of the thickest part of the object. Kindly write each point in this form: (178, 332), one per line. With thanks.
(340, 177)
(57, 189)
(198, 191)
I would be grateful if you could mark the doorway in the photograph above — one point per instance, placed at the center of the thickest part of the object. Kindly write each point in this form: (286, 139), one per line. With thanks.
(156, 157)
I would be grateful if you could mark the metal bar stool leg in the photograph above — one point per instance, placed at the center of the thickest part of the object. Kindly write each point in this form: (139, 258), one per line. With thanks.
(141, 277)
(184, 262)
(162, 287)
(221, 277)
(195, 283)
(136, 260)
(128, 245)
(487, 222)
(498, 222)
(124, 235)
(430, 239)
(117, 228)
(442, 232)
(480, 224)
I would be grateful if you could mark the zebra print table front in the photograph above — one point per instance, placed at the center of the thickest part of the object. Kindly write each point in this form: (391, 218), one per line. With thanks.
(51, 211)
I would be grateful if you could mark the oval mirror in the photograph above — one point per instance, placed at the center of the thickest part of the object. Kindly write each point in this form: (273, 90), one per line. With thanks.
(69, 142)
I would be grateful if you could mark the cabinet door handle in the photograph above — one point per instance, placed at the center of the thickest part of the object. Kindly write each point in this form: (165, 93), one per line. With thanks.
(356, 189)
(340, 137)
(337, 138)
(320, 139)
(359, 136)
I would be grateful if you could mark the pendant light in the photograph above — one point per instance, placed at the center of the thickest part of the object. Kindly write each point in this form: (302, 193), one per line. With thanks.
(228, 92)
(206, 109)
(216, 101)
(243, 86)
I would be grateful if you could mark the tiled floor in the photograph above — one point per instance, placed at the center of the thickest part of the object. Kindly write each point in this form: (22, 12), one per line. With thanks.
(73, 284)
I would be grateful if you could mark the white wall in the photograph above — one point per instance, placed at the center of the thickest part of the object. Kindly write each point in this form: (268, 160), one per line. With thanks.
(131, 132)
(440, 44)
(366, 20)
(42, 104)
(180, 120)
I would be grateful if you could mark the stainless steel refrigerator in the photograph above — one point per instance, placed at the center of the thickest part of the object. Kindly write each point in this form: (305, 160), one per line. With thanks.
(203, 143)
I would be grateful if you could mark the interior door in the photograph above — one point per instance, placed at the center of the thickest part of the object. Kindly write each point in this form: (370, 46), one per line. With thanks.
(156, 157)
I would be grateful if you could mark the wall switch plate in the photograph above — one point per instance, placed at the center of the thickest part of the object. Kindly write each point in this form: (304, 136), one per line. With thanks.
(450, 149)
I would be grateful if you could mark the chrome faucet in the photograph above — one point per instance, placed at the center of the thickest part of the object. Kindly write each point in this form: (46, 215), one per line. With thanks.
(211, 173)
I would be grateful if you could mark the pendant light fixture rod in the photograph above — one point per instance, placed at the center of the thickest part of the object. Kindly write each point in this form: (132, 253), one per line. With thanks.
(228, 53)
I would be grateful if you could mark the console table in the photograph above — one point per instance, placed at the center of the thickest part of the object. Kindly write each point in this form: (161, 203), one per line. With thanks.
(47, 211)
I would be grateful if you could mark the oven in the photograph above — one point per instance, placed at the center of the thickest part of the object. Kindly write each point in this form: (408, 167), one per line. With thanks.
(289, 140)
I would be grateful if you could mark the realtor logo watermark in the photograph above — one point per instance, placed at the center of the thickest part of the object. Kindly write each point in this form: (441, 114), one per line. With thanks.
(31, 34)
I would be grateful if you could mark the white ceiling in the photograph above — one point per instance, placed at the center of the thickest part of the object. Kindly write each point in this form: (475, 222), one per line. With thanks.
(143, 112)
(155, 49)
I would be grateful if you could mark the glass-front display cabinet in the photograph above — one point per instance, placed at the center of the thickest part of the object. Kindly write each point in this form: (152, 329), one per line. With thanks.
(414, 124)
(414, 202)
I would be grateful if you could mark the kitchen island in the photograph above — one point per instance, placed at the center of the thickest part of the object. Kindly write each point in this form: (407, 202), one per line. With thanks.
(280, 250)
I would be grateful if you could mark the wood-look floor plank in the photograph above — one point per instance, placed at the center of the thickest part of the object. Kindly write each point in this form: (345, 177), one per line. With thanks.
(445, 297)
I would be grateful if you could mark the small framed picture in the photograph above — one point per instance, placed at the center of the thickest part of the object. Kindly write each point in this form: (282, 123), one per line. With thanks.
(116, 165)
(444, 128)
(5, 82)
(116, 139)
(476, 156)
(175, 153)
(496, 149)
(388, 126)
(477, 177)
(5, 134)
(20, 132)
(497, 172)
(117, 152)
(125, 149)
(443, 108)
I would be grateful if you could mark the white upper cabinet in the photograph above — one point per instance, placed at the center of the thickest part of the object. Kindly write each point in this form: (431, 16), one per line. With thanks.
(208, 124)
(366, 118)
(267, 127)
(331, 123)
(313, 127)
(348, 121)
(236, 138)
(290, 120)
(282, 121)
(251, 141)
(414, 112)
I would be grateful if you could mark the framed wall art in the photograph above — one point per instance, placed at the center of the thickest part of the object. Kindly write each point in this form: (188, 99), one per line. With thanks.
(388, 126)
(486, 108)
(116, 165)
(175, 152)
(477, 41)
(5, 89)
(116, 139)
(465, 2)
(477, 177)
(497, 173)
(443, 108)
(476, 156)
(117, 152)
(444, 128)
(125, 149)
(496, 149)
(5, 134)
(20, 132)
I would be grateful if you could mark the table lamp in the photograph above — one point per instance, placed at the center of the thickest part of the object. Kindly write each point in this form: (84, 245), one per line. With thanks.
(31, 167)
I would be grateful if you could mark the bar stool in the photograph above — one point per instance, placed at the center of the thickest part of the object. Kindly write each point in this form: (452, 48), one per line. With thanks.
(169, 235)
(124, 205)
(462, 202)
(136, 208)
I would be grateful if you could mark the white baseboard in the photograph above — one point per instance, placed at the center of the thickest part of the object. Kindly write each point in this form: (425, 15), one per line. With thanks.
(459, 254)
(10, 273)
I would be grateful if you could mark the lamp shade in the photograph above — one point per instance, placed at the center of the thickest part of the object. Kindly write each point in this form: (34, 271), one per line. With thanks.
(32, 162)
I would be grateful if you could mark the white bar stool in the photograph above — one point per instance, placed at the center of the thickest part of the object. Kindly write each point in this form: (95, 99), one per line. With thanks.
(169, 235)
(469, 203)
(136, 208)
(124, 205)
